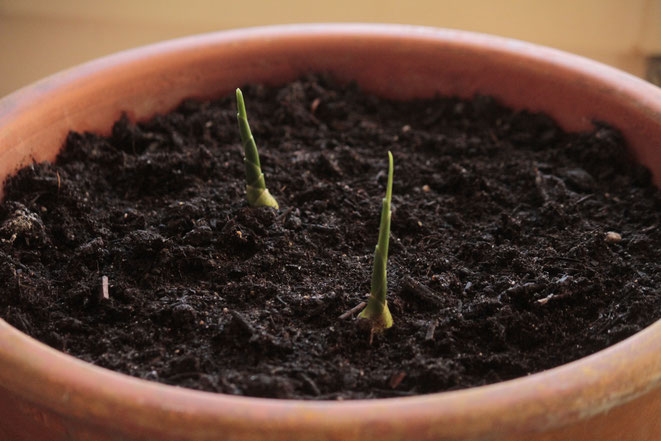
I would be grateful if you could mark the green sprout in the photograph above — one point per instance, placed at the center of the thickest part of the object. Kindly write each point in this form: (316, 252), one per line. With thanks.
(256, 192)
(376, 311)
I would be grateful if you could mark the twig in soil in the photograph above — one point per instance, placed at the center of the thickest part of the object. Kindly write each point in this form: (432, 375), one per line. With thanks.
(285, 214)
(566, 259)
(181, 375)
(583, 199)
(104, 287)
(396, 379)
(352, 311)
(394, 393)
(309, 382)
(376, 311)
(526, 288)
(429, 336)
(539, 183)
(256, 192)
(321, 228)
(243, 322)
(315, 103)
(412, 287)
(546, 299)
(17, 277)
(648, 229)
(554, 297)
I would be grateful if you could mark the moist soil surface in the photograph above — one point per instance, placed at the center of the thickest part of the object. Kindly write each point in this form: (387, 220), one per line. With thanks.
(515, 247)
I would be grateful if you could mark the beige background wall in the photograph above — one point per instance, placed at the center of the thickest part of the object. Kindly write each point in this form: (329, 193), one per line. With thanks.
(40, 37)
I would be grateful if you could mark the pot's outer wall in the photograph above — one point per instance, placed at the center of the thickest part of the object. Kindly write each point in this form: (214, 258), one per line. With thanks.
(612, 395)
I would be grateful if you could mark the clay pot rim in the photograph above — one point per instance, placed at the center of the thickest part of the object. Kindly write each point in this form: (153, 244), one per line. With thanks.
(580, 389)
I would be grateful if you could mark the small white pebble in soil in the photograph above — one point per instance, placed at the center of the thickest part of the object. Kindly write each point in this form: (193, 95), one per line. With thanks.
(406, 128)
(226, 310)
(419, 224)
(426, 188)
(613, 237)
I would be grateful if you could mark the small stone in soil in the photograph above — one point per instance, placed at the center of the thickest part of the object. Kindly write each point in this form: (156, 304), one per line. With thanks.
(613, 237)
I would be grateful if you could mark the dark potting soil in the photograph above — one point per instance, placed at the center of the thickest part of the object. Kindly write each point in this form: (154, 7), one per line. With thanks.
(504, 257)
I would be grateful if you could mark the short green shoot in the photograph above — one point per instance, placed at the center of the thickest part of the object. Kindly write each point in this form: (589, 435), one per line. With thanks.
(256, 192)
(376, 311)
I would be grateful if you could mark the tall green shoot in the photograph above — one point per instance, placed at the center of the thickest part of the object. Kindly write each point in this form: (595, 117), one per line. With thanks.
(376, 311)
(256, 192)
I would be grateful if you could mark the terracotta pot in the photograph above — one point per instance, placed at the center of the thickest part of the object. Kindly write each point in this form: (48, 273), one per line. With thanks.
(612, 395)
